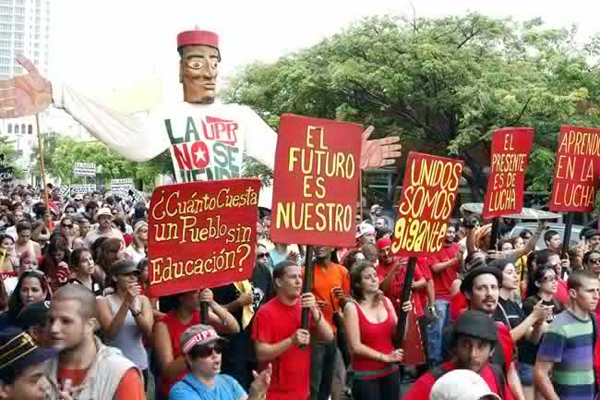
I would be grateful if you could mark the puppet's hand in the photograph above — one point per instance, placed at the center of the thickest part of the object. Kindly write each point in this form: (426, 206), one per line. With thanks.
(378, 152)
(24, 94)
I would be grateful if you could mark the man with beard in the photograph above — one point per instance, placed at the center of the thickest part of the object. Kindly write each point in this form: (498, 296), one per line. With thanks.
(592, 239)
(280, 339)
(473, 338)
(86, 368)
(481, 287)
(104, 229)
(445, 266)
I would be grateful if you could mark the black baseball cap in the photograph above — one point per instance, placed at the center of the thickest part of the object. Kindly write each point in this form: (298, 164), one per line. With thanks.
(19, 351)
(34, 314)
(123, 266)
(476, 324)
(467, 283)
(590, 233)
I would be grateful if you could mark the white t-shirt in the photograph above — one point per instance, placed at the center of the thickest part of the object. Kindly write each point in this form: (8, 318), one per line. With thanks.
(207, 141)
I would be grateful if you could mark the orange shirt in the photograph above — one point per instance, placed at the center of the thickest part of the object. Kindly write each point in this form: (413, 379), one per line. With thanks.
(324, 280)
(130, 387)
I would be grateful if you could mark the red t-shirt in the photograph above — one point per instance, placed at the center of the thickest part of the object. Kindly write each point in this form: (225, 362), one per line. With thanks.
(273, 323)
(421, 389)
(562, 293)
(176, 329)
(458, 304)
(395, 290)
(426, 273)
(443, 281)
(130, 387)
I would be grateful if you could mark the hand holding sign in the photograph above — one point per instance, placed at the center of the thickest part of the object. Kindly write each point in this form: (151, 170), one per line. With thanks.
(24, 94)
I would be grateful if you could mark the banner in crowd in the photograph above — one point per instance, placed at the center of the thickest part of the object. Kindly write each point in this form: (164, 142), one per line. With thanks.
(576, 171)
(122, 186)
(315, 186)
(506, 182)
(428, 194)
(202, 234)
(84, 170)
(6, 173)
(77, 189)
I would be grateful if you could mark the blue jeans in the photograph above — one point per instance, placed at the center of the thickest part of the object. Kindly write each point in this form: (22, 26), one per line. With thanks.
(435, 330)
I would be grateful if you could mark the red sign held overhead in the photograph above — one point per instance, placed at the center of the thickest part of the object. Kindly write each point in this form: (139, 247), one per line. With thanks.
(577, 168)
(315, 187)
(202, 234)
(506, 183)
(428, 194)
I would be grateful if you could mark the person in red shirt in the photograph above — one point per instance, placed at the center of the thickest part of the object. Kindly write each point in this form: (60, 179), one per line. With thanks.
(280, 339)
(473, 337)
(445, 266)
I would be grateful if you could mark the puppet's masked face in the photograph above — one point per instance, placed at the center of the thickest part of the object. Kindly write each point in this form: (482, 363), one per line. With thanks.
(198, 70)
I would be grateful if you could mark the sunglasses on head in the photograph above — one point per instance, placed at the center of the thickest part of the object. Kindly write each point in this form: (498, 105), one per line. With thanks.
(205, 351)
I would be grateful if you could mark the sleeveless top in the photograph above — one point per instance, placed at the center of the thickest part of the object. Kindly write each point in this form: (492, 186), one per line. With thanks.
(176, 329)
(377, 336)
(129, 337)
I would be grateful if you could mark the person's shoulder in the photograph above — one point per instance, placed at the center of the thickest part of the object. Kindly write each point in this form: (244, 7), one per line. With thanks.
(182, 389)
(227, 381)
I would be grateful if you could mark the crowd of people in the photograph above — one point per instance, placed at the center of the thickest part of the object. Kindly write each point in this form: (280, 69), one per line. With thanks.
(76, 322)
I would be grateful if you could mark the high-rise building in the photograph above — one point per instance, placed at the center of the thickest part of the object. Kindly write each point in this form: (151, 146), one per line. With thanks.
(24, 29)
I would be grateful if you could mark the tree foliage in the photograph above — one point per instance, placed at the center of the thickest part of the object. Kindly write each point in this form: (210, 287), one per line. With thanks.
(8, 151)
(62, 152)
(443, 85)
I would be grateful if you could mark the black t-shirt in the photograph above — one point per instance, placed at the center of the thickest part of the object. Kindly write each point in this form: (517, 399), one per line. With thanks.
(528, 350)
(509, 313)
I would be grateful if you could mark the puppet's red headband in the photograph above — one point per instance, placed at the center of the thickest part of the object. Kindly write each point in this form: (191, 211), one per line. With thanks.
(198, 37)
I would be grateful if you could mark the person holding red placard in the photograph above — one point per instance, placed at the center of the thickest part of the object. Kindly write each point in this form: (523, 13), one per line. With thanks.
(279, 338)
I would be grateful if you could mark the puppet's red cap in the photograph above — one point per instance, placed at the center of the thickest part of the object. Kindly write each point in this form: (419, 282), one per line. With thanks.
(198, 37)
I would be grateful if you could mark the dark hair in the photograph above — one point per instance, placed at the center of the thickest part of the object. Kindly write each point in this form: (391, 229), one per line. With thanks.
(537, 276)
(379, 233)
(107, 255)
(370, 251)
(279, 270)
(15, 305)
(143, 263)
(6, 236)
(48, 265)
(500, 264)
(23, 226)
(350, 258)
(588, 254)
(77, 254)
(70, 206)
(356, 290)
(120, 224)
(549, 235)
(543, 256)
(576, 278)
(91, 205)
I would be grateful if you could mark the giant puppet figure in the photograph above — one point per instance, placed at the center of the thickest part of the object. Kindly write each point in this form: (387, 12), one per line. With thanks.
(206, 138)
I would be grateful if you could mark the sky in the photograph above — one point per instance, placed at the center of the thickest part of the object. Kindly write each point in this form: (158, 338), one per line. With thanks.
(110, 44)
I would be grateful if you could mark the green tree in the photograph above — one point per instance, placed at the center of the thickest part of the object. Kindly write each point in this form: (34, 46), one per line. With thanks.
(8, 151)
(443, 85)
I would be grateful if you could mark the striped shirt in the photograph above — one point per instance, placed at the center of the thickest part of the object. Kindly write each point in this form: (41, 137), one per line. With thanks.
(568, 343)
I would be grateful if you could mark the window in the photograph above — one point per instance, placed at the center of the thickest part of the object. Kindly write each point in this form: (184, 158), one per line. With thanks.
(5, 18)
(4, 61)
(9, 128)
(23, 128)
(16, 128)
(19, 18)
(30, 129)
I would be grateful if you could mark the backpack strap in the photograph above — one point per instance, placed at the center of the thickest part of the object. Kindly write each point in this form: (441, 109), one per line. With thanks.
(500, 378)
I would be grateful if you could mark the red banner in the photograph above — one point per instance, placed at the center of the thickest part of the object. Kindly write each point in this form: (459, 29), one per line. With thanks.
(577, 168)
(202, 234)
(506, 183)
(428, 194)
(315, 187)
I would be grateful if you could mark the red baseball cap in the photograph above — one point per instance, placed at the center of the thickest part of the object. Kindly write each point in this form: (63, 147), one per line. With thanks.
(198, 37)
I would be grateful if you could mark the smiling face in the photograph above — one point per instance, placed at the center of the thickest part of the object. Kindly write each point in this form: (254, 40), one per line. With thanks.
(198, 70)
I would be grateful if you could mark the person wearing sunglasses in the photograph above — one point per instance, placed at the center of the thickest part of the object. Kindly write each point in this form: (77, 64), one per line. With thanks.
(202, 348)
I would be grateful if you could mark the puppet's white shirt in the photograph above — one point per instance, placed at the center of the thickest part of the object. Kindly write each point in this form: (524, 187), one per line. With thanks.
(207, 141)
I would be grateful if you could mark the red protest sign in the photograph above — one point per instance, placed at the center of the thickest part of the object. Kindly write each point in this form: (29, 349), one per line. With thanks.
(506, 183)
(577, 166)
(202, 234)
(428, 194)
(315, 186)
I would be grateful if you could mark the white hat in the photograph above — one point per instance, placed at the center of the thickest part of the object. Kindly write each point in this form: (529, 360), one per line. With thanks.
(461, 384)
(104, 211)
(364, 228)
